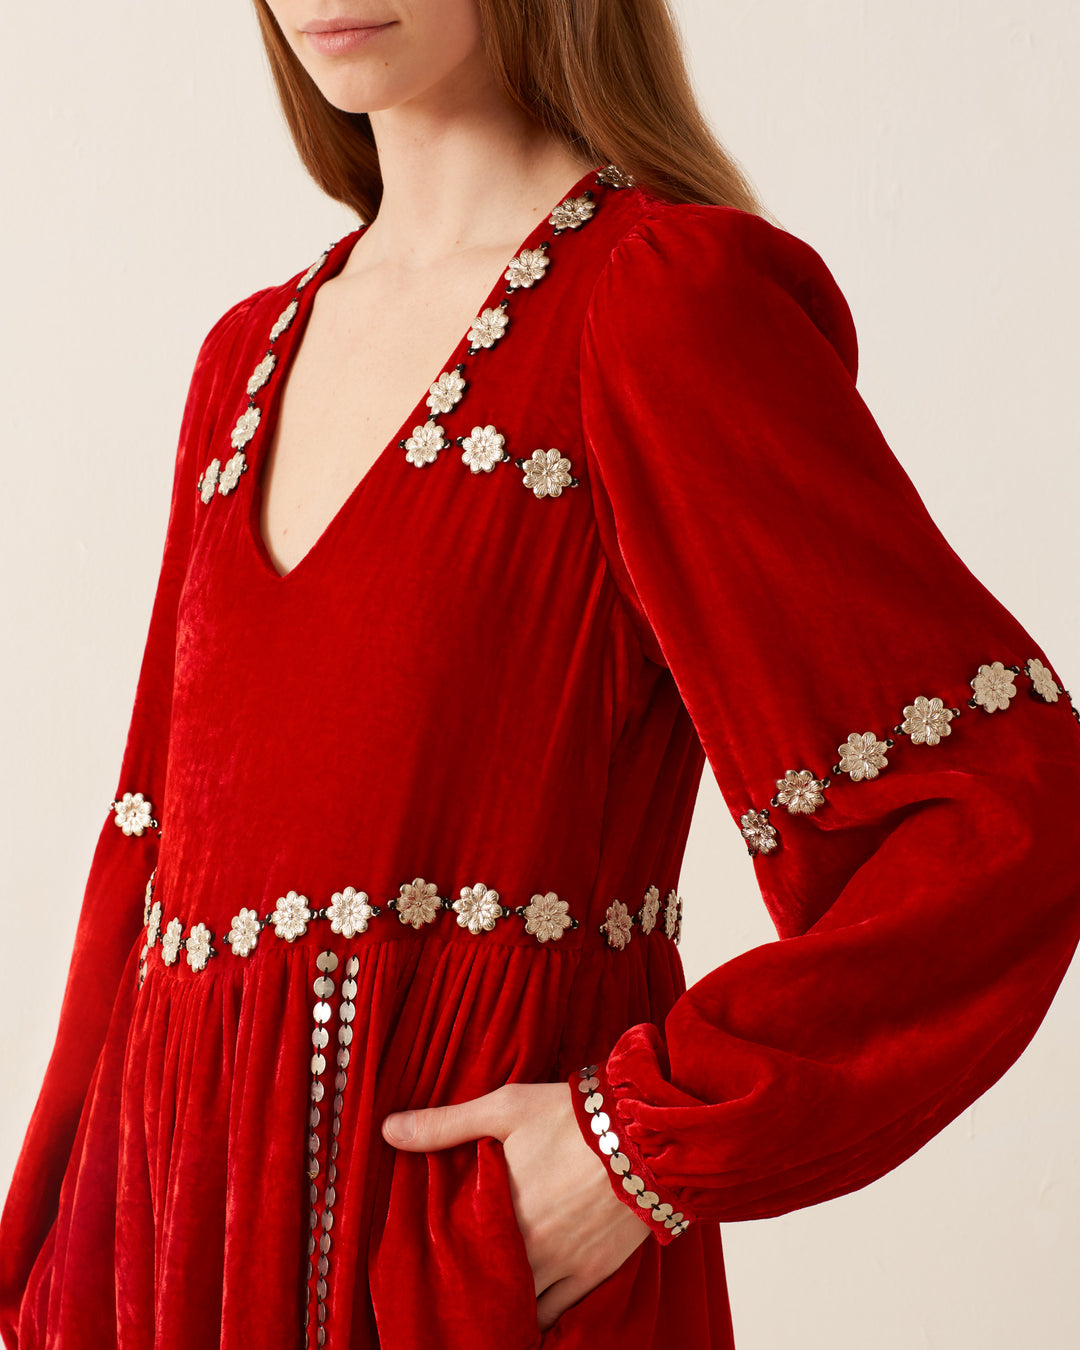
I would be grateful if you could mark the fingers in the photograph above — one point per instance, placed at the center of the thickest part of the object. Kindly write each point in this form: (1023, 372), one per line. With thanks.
(436, 1127)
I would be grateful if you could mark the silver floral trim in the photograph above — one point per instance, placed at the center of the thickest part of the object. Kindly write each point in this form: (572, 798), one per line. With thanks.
(572, 213)
(230, 474)
(134, 813)
(207, 484)
(284, 319)
(261, 374)
(478, 908)
(446, 391)
(608, 1143)
(527, 268)
(312, 270)
(547, 472)
(482, 449)
(927, 720)
(245, 426)
(423, 446)
(488, 327)
(615, 177)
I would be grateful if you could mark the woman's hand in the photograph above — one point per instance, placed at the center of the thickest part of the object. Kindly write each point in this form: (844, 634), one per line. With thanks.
(576, 1231)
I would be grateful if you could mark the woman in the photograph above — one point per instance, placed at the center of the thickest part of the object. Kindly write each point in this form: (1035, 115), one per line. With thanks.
(375, 1032)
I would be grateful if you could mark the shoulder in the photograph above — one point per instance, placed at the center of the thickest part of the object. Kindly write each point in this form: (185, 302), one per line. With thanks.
(681, 263)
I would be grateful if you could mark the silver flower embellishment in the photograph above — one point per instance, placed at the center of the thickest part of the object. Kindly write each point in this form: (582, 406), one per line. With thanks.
(546, 917)
(170, 943)
(312, 270)
(230, 474)
(291, 916)
(547, 472)
(134, 813)
(153, 923)
(760, 836)
(488, 327)
(799, 791)
(208, 482)
(148, 896)
(244, 932)
(418, 902)
(1044, 683)
(349, 912)
(198, 946)
(615, 177)
(862, 756)
(424, 444)
(649, 910)
(445, 392)
(284, 319)
(482, 449)
(994, 686)
(261, 374)
(926, 721)
(673, 916)
(527, 268)
(478, 908)
(572, 213)
(617, 925)
(245, 426)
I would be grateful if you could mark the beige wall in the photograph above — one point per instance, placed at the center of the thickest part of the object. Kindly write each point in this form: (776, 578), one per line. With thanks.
(925, 151)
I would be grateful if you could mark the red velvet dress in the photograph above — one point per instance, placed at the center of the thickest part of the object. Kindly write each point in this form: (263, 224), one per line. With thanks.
(419, 806)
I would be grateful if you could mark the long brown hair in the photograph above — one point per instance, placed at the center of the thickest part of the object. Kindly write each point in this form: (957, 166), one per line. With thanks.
(606, 77)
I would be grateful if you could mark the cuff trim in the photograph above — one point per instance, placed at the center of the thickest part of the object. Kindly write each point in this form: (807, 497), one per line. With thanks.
(631, 1181)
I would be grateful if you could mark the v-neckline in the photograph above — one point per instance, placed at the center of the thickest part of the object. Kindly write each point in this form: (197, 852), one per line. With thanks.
(337, 256)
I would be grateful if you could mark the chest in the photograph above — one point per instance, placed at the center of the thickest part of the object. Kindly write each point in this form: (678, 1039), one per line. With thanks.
(371, 346)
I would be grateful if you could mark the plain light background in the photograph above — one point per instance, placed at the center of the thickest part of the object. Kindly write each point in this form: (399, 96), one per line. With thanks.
(926, 150)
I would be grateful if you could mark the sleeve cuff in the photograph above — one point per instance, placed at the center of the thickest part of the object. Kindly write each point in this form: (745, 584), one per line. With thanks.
(631, 1179)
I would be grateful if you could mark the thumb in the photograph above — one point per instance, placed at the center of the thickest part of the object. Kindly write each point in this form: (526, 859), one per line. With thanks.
(437, 1127)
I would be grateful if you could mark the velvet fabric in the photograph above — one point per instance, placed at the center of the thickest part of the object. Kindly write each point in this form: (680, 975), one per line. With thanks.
(464, 682)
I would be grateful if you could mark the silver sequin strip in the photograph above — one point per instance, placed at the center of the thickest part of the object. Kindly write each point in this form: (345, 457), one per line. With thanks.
(608, 1143)
(926, 721)
(321, 1216)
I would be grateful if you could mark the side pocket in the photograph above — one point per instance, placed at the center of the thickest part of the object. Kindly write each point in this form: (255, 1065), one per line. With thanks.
(450, 1268)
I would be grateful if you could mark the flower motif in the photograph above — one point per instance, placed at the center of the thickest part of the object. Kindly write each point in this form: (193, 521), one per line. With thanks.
(424, 444)
(153, 924)
(572, 213)
(862, 756)
(170, 943)
(207, 484)
(148, 896)
(349, 912)
(617, 925)
(482, 449)
(926, 721)
(994, 685)
(547, 472)
(312, 270)
(198, 946)
(673, 916)
(418, 902)
(488, 327)
(649, 910)
(291, 916)
(760, 836)
(284, 319)
(799, 791)
(261, 374)
(133, 813)
(446, 391)
(1046, 687)
(615, 177)
(230, 474)
(527, 268)
(244, 932)
(478, 908)
(245, 426)
(546, 917)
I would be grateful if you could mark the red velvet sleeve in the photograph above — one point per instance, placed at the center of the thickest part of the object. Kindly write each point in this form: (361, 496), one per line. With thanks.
(112, 913)
(918, 859)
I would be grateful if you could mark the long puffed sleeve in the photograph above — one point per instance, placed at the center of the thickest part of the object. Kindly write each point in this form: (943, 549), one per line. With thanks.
(895, 748)
(101, 981)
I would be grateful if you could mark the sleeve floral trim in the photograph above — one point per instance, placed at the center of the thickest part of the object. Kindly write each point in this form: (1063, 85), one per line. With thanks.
(632, 1180)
